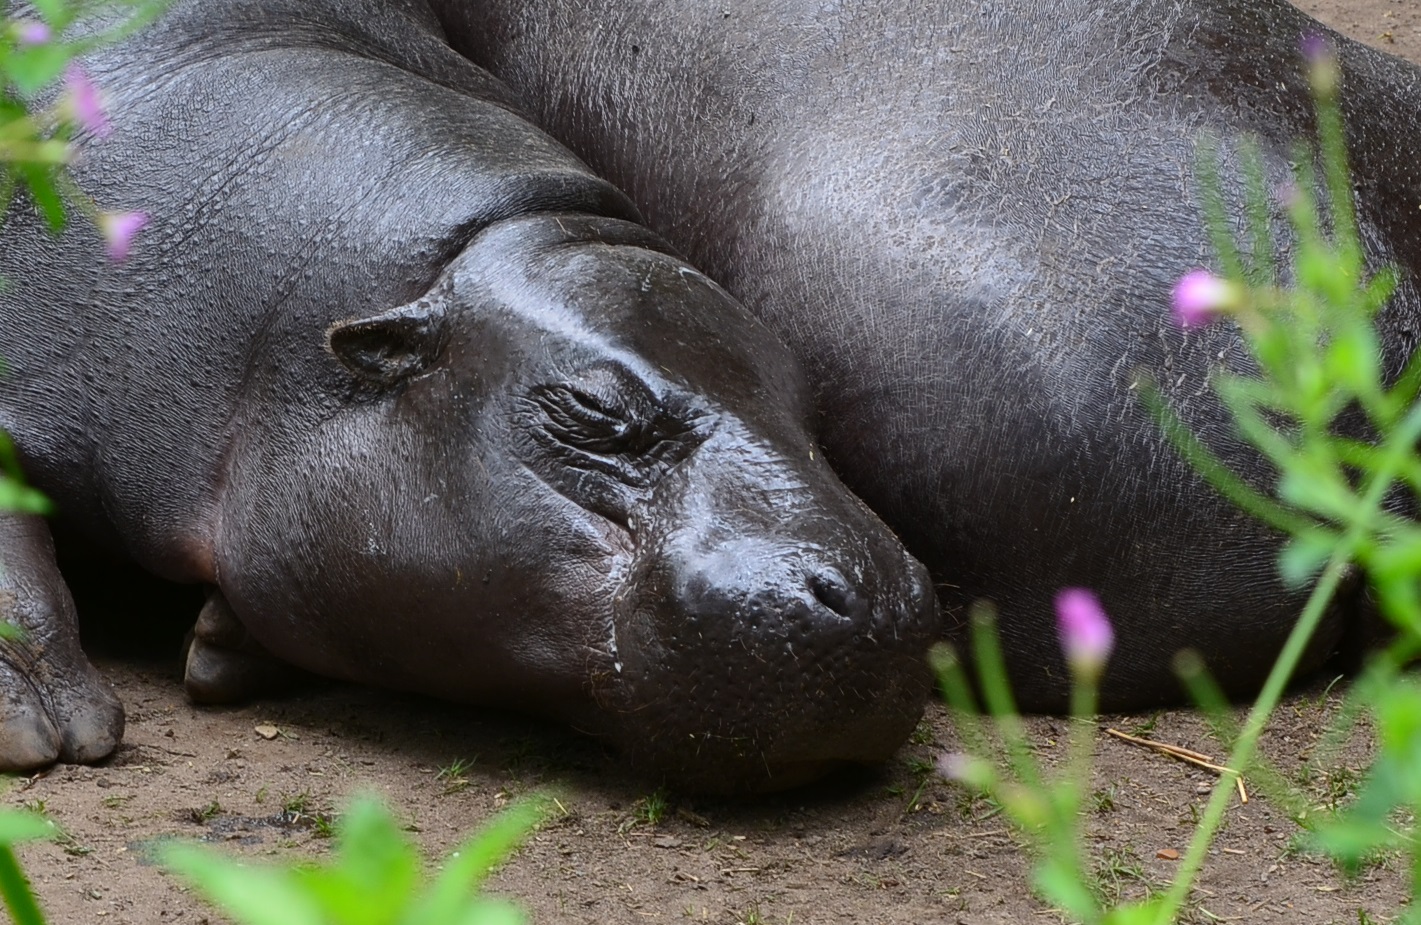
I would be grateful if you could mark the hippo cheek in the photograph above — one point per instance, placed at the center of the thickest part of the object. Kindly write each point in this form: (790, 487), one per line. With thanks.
(753, 663)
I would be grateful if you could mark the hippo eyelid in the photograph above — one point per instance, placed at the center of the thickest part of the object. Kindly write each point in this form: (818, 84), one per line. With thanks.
(593, 424)
(585, 407)
(574, 409)
(610, 415)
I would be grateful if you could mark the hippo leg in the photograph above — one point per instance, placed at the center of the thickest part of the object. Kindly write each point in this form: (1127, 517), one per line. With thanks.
(226, 665)
(53, 704)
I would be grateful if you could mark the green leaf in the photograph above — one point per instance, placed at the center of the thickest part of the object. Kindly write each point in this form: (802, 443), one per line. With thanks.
(14, 494)
(22, 498)
(15, 893)
(1216, 218)
(1224, 480)
(1263, 267)
(1303, 556)
(1353, 359)
(1400, 556)
(467, 867)
(1060, 882)
(32, 69)
(1398, 712)
(372, 847)
(1363, 828)
(1392, 784)
(252, 895)
(21, 825)
(40, 181)
(1145, 912)
(54, 12)
(1313, 485)
(373, 879)
(1189, 667)
(376, 872)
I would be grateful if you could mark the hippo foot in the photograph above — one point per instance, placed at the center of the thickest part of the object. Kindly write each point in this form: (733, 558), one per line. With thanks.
(53, 703)
(226, 665)
(38, 726)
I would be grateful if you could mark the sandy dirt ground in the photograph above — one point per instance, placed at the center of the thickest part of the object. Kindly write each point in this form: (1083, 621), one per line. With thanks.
(894, 845)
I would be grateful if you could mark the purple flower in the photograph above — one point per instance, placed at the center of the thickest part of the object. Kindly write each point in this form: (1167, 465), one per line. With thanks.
(1314, 47)
(29, 32)
(118, 229)
(1086, 636)
(1200, 296)
(1323, 71)
(84, 103)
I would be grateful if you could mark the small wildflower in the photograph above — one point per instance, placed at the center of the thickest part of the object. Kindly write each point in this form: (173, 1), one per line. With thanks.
(1314, 46)
(1288, 195)
(965, 769)
(1200, 296)
(953, 765)
(1086, 635)
(84, 104)
(29, 32)
(1324, 73)
(118, 229)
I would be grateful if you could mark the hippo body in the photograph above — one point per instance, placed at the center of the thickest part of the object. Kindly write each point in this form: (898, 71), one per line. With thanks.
(966, 219)
(407, 386)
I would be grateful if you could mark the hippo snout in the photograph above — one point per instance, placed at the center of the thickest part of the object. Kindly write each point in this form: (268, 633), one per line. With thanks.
(760, 663)
(794, 600)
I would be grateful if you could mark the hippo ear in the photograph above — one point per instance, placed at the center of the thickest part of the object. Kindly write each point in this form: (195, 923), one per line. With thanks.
(391, 346)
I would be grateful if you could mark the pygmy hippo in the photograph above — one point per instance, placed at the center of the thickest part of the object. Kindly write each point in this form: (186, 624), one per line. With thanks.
(965, 218)
(410, 389)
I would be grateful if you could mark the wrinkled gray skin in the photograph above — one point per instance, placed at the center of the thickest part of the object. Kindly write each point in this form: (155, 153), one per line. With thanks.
(404, 383)
(966, 218)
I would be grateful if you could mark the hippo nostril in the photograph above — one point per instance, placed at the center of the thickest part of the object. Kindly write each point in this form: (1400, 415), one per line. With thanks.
(832, 590)
(920, 586)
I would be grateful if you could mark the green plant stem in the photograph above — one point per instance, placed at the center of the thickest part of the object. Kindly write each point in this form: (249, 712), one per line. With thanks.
(15, 890)
(1081, 747)
(1402, 441)
(996, 695)
(1248, 739)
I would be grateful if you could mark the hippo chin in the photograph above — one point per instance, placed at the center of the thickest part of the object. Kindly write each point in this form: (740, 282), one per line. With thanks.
(965, 218)
(411, 391)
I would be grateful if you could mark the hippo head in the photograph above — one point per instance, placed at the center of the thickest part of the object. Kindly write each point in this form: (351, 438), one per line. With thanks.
(575, 477)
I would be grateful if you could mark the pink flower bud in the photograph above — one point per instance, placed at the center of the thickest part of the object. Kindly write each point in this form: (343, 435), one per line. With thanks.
(1086, 636)
(29, 32)
(954, 765)
(84, 104)
(1314, 47)
(118, 229)
(965, 769)
(1200, 296)
(1324, 73)
(1288, 195)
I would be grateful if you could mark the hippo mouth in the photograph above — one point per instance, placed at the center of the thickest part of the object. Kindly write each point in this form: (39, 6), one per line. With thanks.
(732, 734)
(742, 693)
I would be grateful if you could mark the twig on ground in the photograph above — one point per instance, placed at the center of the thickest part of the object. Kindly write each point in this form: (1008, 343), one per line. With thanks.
(1198, 759)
